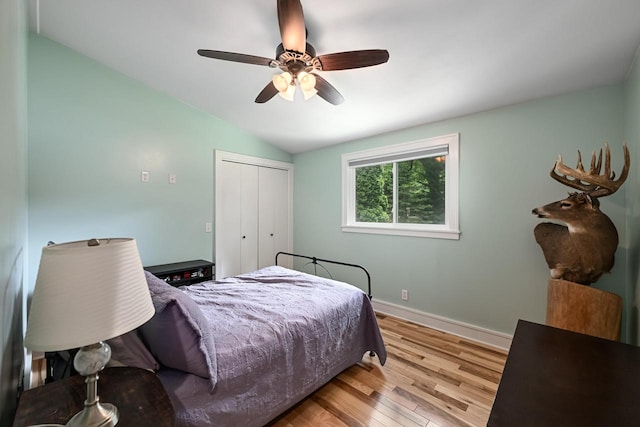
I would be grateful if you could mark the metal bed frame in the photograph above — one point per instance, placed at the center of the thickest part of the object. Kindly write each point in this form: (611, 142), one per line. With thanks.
(315, 261)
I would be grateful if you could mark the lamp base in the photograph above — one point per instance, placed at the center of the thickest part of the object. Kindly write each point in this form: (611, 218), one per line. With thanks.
(95, 415)
(89, 361)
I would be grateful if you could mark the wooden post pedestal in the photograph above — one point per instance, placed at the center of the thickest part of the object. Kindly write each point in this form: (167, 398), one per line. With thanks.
(583, 309)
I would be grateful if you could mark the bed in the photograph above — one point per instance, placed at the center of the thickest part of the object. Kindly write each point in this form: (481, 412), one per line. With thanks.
(242, 350)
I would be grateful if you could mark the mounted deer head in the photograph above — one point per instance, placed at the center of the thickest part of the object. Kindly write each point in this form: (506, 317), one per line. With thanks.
(585, 248)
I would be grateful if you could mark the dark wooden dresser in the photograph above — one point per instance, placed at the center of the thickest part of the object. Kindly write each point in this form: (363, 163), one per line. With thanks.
(555, 377)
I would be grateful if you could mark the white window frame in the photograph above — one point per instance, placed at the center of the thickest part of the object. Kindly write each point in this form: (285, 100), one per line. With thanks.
(403, 152)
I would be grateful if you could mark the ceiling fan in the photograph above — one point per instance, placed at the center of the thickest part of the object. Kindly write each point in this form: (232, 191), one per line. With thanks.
(298, 61)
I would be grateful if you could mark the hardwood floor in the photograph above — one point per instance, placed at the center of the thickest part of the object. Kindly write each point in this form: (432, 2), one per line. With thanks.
(431, 379)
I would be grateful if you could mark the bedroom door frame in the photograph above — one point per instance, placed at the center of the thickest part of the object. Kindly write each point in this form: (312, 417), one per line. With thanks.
(226, 156)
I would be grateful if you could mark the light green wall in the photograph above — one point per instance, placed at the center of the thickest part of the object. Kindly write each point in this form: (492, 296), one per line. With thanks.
(13, 208)
(632, 135)
(496, 273)
(91, 133)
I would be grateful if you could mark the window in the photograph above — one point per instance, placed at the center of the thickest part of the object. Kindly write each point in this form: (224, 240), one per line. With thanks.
(406, 189)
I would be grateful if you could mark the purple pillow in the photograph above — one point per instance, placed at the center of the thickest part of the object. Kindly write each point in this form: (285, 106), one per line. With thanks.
(129, 350)
(178, 334)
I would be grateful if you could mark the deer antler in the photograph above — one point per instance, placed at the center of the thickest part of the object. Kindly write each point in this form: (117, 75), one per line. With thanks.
(592, 183)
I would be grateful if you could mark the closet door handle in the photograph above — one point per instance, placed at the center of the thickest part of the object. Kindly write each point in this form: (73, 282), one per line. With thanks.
(244, 237)
(271, 234)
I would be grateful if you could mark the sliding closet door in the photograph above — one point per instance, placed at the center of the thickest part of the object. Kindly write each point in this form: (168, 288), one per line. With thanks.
(273, 218)
(236, 219)
(253, 213)
(248, 219)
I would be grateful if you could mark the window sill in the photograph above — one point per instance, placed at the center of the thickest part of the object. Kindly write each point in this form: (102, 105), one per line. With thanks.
(443, 233)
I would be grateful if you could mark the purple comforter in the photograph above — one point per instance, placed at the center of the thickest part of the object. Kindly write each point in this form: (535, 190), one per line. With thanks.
(279, 335)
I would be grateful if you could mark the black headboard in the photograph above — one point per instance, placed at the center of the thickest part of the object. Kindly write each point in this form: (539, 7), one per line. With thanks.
(315, 261)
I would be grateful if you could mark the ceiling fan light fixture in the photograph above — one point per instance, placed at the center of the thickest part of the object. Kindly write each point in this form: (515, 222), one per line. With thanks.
(285, 85)
(282, 82)
(289, 93)
(307, 81)
(298, 61)
(309, 93)
(307, 84)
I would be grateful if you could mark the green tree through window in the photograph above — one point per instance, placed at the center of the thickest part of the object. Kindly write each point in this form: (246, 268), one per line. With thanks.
(420, 192)
(374, 193)
(407, 189)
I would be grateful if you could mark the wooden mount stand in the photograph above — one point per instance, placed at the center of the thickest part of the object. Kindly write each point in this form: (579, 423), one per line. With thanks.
(583, 309)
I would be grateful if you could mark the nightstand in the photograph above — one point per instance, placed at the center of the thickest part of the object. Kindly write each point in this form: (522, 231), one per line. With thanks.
(184, 273)
(138, 394)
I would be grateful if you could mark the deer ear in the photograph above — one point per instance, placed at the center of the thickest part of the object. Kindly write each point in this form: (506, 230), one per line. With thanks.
(593, 201)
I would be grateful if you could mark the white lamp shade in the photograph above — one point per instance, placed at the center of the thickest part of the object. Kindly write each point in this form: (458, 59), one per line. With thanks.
(86, 294)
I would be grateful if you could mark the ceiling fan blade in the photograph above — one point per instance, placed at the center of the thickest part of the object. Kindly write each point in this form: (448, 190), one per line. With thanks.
(235, 57)
(267, 93)
(292, 28)
(327, 92)
(353, 59)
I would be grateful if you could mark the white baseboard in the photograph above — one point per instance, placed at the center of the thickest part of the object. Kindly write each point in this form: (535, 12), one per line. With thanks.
(461, 329)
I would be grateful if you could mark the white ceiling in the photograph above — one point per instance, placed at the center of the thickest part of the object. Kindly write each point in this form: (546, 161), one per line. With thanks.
(447, 57)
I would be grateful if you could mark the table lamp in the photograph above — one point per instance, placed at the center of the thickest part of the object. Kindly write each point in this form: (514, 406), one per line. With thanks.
(87, 292)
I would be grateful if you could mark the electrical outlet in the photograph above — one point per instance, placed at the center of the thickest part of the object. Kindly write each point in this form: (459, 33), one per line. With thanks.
(144, 176)
(207, 227)
(405, 295)
(172, 178)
